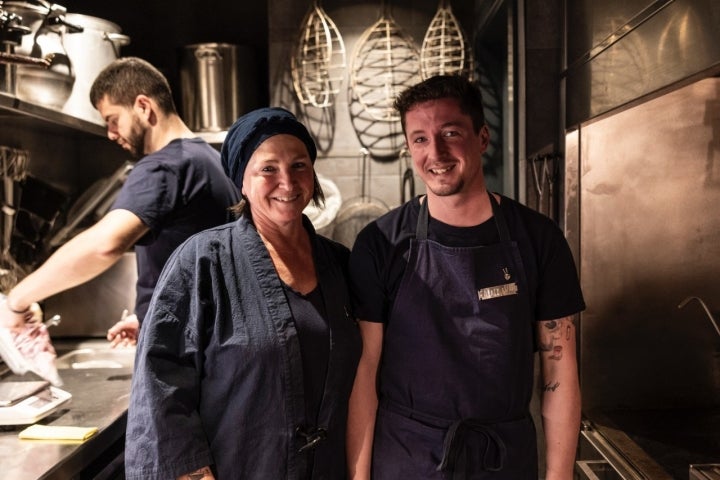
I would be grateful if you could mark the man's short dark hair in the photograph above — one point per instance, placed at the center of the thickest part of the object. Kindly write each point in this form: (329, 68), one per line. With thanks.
(444, 86)
(126, 78)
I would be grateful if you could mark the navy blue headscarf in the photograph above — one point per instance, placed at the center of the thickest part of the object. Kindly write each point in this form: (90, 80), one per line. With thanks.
(253, 128)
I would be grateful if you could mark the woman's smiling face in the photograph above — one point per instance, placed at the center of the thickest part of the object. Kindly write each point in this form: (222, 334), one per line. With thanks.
(279, 180)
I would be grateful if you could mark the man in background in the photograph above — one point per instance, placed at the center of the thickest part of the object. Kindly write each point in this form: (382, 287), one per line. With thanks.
(176, 188)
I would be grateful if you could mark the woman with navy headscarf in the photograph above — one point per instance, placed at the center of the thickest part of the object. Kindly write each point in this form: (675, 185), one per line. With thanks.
(248, 353)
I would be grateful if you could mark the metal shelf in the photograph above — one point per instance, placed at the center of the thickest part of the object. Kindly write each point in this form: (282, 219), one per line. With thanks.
(12, 105)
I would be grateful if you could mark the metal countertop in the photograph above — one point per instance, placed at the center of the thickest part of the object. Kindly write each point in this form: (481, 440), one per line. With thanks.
(100, 399)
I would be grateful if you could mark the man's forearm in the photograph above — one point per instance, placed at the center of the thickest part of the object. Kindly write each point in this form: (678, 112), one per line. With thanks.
(361, 425)
(82, 258)
(561, 425)
(362, 408)
(73, 264)
(560, 396)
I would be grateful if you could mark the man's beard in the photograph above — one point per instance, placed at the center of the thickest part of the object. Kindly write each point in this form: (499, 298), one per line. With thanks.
(136, 141)
(447, 189)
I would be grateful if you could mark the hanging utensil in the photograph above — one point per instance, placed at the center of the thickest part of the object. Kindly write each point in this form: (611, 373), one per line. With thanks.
(551, 177)
(445, 48)
(383, 139)
(539, 179)
(14, 168)
(544, 173)
(407, 178)
(385, 63)
(318, 66)
(357, 212)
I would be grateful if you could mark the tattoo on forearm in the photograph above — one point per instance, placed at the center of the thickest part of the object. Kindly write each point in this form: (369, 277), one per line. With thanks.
(552, 333)
(550, 387)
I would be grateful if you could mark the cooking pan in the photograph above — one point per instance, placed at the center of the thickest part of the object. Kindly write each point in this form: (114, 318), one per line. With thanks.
(52, 85)
(357, 212)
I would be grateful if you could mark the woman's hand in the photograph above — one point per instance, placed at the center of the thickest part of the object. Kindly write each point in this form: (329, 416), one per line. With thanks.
(203, 473)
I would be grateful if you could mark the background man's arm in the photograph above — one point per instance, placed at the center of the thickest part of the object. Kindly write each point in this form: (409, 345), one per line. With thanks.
(82, 258)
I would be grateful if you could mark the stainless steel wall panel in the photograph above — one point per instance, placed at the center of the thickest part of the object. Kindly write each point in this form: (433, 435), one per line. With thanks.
(616, 56)
(650, 236)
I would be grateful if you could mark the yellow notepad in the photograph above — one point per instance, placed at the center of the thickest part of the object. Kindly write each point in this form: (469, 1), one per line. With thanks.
(57, 432)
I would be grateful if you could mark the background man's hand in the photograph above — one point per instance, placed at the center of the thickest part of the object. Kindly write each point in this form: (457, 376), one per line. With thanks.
(124, 332)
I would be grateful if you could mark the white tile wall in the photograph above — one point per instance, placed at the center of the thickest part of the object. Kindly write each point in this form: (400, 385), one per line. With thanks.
(383, 182)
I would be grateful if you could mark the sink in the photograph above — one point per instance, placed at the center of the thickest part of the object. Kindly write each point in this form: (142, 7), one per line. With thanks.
(105, 357)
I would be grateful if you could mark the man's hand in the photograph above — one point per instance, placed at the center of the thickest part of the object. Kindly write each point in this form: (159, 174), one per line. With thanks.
(15, 320)
(124, 332)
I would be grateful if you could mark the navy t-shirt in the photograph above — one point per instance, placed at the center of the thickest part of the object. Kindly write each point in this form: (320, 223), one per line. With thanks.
(177, 191)
(379, 258)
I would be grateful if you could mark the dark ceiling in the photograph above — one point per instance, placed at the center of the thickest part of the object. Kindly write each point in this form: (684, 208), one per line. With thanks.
(159, 30)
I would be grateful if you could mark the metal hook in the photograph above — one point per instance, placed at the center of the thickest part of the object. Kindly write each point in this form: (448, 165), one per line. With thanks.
(705, 307)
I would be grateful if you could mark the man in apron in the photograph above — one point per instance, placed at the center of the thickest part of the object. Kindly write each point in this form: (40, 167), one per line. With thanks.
(456, 289)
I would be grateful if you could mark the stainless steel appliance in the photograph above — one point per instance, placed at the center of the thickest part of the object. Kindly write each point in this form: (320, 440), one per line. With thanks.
(50, 86)
(641, 188)
(649, 241)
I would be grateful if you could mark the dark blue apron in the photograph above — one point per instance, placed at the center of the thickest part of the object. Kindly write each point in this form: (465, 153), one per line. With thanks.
(457, 370)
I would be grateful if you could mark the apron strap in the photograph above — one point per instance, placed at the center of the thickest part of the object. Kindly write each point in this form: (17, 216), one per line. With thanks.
(421, 230)
(454, 457)
(499, 220)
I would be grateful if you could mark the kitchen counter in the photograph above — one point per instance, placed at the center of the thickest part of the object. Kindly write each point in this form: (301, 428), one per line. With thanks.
(99, 399)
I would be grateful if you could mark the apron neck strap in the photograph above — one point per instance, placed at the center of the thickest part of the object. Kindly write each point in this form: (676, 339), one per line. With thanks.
(421, 231)
(423, 220)
(500, 222)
